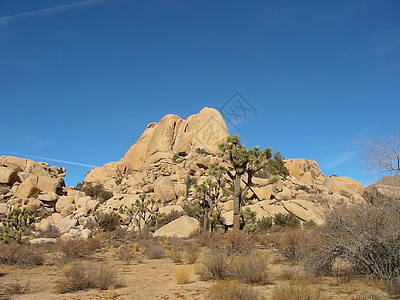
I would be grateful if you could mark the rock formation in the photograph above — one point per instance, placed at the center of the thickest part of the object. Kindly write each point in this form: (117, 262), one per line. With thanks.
(165, 161)
(386, 188)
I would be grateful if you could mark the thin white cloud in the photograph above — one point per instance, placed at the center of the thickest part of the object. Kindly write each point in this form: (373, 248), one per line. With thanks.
(49, 11)
(341, 159)
(50, 159)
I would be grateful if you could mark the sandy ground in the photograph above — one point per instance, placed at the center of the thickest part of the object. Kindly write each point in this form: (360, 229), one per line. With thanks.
(154, 279)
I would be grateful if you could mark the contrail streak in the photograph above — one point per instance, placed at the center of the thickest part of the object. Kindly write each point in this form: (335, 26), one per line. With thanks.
(49, 11)
(51, 159)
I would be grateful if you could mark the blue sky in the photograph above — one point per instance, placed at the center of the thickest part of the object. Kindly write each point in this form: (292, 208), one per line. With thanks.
(80, 80)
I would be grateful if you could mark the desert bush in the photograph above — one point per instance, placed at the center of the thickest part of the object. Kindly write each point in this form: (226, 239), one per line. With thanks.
(109, 221)
(294, 244)
(264, 224)
(230, 290)
(366, 236)
(18, 287)
(237, 242)
(215, 266)
(182, 275)
(200, 151)
(251, 268)
(21, 255)
(204, 238)
(15, 224)
(155, 252)
(296, 290)
(95, 191)
(192, 253)
(176, 255)
(83, 276)
(125, 254)
(77, 248)
(287, 220)
(249, 219)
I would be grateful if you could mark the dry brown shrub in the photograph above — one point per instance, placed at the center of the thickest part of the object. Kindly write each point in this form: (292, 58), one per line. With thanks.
(125, 254)
(215, 266)
(77, 248)
(176, 255)
(294, 244)
(192, 253)
(230, 290)
(251, 268)
(182, 275)
(156, 252)
(83, 276)
(21, 255)
(296, 290)
(233, 243)
(17, 288)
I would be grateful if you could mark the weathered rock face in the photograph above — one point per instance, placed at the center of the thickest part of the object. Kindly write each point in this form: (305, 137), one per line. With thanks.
(387, 188)
(27, 178)
(345, 186)
(182, 227)
(307, 171)
(172, 135)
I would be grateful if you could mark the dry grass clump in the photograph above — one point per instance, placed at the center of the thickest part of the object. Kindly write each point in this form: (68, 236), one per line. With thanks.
(230, 290)
(155, 252)
(296, 290)
(77, 248)
(192, 253)
(176, 255)
(215, 266)
(83, 276)
(21, 255)
(251, 268)
(236, 243)
(182, 275)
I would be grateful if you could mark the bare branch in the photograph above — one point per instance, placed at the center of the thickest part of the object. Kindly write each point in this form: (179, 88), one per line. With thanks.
(382, 154)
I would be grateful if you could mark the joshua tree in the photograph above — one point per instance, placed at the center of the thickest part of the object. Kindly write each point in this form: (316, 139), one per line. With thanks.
(242, 161)
(209, 194)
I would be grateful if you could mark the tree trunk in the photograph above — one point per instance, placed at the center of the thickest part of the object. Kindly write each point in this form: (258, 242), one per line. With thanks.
(236, 202)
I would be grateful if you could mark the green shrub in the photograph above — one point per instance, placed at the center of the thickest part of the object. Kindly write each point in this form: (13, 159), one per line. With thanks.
(303, 188)
(95, 191)
(201, 151)
(190, 181)
(175, 157)
(264, 224)
(109, 221)
(249, 220)
(287, 220)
